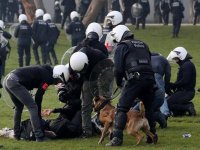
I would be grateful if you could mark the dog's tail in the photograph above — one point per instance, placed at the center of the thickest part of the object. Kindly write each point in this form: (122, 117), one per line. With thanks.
(142, 109)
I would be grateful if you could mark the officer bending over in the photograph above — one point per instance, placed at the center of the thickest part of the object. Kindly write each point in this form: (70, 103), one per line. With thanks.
(18, 83)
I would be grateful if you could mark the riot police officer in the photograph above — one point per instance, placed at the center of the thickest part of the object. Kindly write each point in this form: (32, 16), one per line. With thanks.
(196, 11)
(165, 7)
(53, 34)
(93, 35)
(145, 11)
(76, 29)
(18, 83)
(23, 33)
(5, 47)
(69, 6)
(133, 62)
(125, 6)
(39, 35)
(57, 10)
(83, 62)
(177, 9)
(180, 102)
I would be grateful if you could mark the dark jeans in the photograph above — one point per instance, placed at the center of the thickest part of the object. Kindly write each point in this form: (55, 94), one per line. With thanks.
(21, 50)
(20, 97)
(165, 17)
(179, 100)
(142, 89)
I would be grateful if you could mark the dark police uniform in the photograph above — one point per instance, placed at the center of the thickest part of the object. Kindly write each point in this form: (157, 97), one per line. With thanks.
(84, 4)
(69, 6)
(5, 51)
(57, 15)
(180, 101)
(3, 6)
(177, 9)
(196, 11)
(18, 83)
(13, 8)
(165, 7)
(133, 62)
(127, 12)
(23, 32)
(77, 31)
(145, 12)
(94, 57)
(40, 37)
(53, 34)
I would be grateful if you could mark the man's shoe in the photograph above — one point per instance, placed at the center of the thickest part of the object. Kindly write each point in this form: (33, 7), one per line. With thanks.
(1, 146)
(150, 141)
(191, 110)
(115, 142)
(86, 135)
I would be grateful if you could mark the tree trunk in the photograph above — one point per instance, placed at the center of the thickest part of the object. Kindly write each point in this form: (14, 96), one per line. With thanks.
(30, 8)
(93, 11)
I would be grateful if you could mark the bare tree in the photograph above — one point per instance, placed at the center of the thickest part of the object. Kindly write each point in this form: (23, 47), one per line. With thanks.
(30, 6)
(93, 11)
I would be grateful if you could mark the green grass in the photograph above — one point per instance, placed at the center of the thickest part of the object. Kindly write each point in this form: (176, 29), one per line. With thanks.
(159, 39)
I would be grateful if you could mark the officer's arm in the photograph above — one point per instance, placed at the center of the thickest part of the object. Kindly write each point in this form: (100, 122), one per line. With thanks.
(34, 28)
(69, 29)
(7, 35)
(39, 96)
(118, 59)
(186, 73)
(16, 32)
(167, 72)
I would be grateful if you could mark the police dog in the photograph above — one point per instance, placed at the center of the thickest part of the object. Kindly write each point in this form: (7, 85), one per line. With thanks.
(135, 119)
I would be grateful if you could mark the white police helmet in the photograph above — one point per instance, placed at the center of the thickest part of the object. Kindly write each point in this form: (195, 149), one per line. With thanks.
(61, 72)
(2, 24)
(56, 2)
(178, 52)
(118, 32)
(22, 17)
(46, 17)
(114, 17)
(78, 61)
(39, 12)
(94, 27)
(74, 14)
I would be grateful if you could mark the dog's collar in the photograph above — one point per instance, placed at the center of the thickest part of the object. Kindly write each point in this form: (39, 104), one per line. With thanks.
(106, 101)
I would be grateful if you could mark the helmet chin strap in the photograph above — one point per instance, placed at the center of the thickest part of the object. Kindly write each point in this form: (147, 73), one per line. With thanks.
(63, 77)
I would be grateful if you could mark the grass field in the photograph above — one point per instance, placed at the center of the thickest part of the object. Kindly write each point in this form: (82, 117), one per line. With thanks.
(159, 39)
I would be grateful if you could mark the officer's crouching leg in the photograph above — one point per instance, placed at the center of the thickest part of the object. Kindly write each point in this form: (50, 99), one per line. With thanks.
(119, 125)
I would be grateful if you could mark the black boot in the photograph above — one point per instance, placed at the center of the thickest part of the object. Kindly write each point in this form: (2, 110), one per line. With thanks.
(115, 142)
(191, 110)
(150, 141)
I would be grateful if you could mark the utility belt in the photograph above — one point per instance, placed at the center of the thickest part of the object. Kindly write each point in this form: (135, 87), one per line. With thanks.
(137, 75)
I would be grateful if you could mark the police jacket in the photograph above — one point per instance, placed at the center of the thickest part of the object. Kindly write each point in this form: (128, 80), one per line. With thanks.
(94, 57)
(39, 31)
(39, 77)
(76, 29)
(132, 56)
(53, 32)
(197, 6)
(165, 6)
(69, 5)
(145, 6)
(23, 33)
(161, 66)
(93, 43)
(177, 9)
(186, 77)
